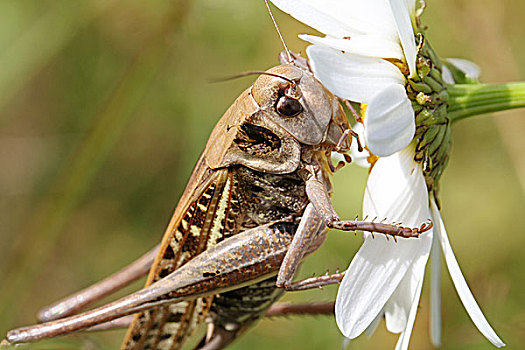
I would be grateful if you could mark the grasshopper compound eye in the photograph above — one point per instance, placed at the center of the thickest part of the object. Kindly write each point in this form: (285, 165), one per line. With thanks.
(288, 107)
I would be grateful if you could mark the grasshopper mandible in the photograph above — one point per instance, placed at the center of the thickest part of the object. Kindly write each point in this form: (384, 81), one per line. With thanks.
(256, 203)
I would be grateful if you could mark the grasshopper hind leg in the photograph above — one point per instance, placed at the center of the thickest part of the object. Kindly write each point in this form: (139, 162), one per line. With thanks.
(80, 300)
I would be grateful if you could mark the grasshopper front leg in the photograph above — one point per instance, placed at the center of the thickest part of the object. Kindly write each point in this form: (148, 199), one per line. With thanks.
(319, 197)
(320, 215)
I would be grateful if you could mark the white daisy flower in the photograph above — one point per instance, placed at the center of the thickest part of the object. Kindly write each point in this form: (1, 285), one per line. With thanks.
(369, 55)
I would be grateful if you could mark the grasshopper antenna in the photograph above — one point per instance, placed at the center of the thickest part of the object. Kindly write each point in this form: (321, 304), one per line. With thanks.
(290, 59)
(252, 72)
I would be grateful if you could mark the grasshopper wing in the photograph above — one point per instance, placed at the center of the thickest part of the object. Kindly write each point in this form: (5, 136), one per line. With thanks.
(198, 223)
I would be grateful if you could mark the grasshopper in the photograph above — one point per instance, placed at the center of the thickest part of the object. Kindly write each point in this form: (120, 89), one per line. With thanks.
(257, 202)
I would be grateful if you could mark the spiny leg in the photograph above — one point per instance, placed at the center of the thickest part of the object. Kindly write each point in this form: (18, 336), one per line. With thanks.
(76, 302)
(249, 256)
(357, 117)
(320, 212)
(346, 133)
(350, 225)
(316, 282)
(276, 310)
(319, 197)
(379, 227)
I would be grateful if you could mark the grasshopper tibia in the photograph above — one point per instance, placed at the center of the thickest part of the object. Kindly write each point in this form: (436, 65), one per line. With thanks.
(276, 310)
(122, 322)
(320, 199)
(253, 255)
(386, 229)
(316, 282)
(320, 214)
(291, 309)
(76, 302)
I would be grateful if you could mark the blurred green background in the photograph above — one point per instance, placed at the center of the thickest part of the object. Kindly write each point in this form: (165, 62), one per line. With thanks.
(106, 105)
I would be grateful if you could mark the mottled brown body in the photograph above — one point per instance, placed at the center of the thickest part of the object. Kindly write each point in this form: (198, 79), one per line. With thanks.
(237, 217)
(249, 175)
(257, 201)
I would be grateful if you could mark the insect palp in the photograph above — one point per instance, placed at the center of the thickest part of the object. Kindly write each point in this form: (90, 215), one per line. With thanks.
(342, 139)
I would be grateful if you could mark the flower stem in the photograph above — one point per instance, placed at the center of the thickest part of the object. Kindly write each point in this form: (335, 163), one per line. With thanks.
(467, 100)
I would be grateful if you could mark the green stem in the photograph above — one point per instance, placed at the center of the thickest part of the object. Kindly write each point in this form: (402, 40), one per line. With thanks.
(472, 99)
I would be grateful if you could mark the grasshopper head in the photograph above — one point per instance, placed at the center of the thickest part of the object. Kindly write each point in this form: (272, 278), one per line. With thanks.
(301, 105)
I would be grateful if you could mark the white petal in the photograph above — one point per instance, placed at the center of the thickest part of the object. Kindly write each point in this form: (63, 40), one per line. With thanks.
(435, 292)
(400, 304)
(470, 69)
(372, 327)
(398, 307)
(371, 45)
(447, 76)
(372, 17)
(343, 18)
(462, 288)
(411, 5)
(389, 121)
(402, 343)
(352, 77)
(319, 17)
(359, 158)
(402, 17)
(396, 190)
